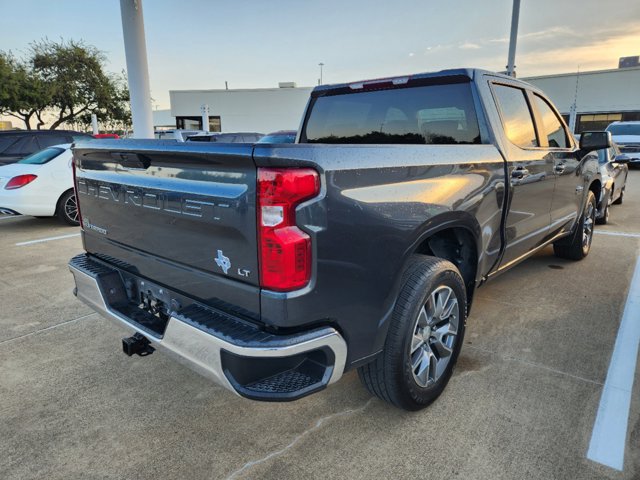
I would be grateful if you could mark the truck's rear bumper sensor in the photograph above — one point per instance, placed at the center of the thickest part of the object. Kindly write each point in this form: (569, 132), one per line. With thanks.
(233, 353)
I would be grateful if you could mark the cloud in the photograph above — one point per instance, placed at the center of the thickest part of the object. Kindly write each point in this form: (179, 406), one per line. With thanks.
(469, 46)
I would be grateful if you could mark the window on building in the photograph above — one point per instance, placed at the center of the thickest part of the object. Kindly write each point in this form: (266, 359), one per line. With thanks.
(553, 128)
(195, 123)
(596, 121)
(516, 116)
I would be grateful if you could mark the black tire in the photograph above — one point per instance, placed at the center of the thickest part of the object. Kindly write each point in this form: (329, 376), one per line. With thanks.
(577, 245)
(65, 210)
(620, 199)
(604, 219)
(392, 376)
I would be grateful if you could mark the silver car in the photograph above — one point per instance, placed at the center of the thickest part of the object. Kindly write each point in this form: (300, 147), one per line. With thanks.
(614, 171)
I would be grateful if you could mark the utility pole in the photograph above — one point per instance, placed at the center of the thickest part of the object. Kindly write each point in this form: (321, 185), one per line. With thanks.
(320, 65)
(515, 16)
(573, 111)
(135, 49)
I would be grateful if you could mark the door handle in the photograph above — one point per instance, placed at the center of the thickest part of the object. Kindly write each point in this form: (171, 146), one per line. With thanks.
(519, 172)
(559, 168)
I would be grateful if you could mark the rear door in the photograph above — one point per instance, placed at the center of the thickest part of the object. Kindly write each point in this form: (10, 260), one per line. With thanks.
(181, 215)
(530, 171)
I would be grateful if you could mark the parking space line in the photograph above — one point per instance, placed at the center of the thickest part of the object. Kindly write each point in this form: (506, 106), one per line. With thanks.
(60, 237)
(51, 327)
(609, 434)
(617, 234)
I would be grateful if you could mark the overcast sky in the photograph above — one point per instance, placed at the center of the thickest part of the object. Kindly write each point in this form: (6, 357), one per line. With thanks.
(198, 44)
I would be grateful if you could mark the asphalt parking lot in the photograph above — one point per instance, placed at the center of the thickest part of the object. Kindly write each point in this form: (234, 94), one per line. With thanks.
(521, 404)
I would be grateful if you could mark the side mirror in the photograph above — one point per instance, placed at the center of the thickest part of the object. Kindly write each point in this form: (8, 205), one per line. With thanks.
(595, 141)
(622, 158)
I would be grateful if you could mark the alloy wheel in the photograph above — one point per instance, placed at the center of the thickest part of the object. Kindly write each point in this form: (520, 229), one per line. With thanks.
(71, 208)
(434, 335)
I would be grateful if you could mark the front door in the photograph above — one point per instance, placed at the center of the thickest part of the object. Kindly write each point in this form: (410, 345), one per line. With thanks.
(555, 140)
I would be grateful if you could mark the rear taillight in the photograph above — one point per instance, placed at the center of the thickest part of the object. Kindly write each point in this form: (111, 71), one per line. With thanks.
(20, 181)
(285, 250)
(75, 190)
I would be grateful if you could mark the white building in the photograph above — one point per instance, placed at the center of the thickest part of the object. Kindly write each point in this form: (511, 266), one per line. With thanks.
(260, 110)
(601, 97)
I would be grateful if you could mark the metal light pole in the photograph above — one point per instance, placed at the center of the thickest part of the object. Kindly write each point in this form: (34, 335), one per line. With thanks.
(135, 49)
(511, 62)
(320, 65)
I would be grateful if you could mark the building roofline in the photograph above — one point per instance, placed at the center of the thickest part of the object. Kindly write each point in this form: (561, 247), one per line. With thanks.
(243, 90)
(588, 72)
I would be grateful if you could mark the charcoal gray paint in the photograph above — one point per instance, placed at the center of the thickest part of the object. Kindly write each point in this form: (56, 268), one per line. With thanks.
(376, 206)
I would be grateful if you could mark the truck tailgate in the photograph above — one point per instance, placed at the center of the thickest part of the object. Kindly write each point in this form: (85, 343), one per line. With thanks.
(182, 215)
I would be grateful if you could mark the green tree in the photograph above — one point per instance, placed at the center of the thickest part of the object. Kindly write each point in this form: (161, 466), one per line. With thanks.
(23, 94)
(64, 79)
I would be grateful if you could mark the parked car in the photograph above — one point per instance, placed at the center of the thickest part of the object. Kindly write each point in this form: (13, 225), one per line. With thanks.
(281, 136)
(273, 270)
(614, 171)
(18, 144)
(238, 137)
(627, 136)
(40, 185)
(106, 135)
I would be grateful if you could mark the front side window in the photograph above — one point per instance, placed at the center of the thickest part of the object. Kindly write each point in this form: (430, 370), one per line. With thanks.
(556, 136)
(51, 140)
(516, 116)
(431, 114)
(24, 146)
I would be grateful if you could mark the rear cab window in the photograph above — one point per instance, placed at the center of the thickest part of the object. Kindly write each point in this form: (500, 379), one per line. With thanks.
(440, 114)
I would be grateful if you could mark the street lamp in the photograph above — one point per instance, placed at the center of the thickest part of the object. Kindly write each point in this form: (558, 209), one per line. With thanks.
(320, 80)
(511, 61)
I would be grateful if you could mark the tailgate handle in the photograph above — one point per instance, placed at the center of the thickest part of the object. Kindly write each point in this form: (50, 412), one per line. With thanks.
(132, 161)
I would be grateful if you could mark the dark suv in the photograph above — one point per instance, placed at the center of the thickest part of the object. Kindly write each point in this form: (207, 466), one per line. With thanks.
(18, 144)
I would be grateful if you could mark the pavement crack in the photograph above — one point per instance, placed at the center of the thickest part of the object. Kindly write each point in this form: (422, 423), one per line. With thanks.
(51, 327)
(533, 364)
(298, 438)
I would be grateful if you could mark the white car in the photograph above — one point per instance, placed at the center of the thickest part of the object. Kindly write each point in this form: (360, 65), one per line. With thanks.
(627, 136)
(40, 185)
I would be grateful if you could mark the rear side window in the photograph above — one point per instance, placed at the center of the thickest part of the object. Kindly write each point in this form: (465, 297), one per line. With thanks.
(516, 116)
(556, 136)
(433, 114)
(42, 157)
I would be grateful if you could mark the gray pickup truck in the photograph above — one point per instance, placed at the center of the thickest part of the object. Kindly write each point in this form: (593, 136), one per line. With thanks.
(273, 269)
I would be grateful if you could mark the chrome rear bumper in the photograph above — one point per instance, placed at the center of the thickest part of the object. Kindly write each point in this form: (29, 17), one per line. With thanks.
(226, 357)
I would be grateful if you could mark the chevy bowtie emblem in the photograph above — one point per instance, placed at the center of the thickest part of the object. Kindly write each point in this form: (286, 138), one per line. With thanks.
(223, 262)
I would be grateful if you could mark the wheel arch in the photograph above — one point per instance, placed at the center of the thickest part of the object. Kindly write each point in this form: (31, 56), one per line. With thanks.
(58, 202)
(453, 236)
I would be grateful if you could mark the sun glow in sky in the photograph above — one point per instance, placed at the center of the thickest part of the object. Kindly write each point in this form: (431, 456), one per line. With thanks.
(200, 44)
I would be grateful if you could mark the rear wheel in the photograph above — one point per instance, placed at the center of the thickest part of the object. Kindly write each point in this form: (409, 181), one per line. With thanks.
(577, 246)
(68, 209)
(424, 338)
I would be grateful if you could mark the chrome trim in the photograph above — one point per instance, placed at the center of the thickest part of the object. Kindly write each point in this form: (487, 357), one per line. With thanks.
(199, 350)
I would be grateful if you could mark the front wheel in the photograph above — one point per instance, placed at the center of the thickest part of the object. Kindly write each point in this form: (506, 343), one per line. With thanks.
(424, 338)
(68, 209)
(577, 246)
(620, 199)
